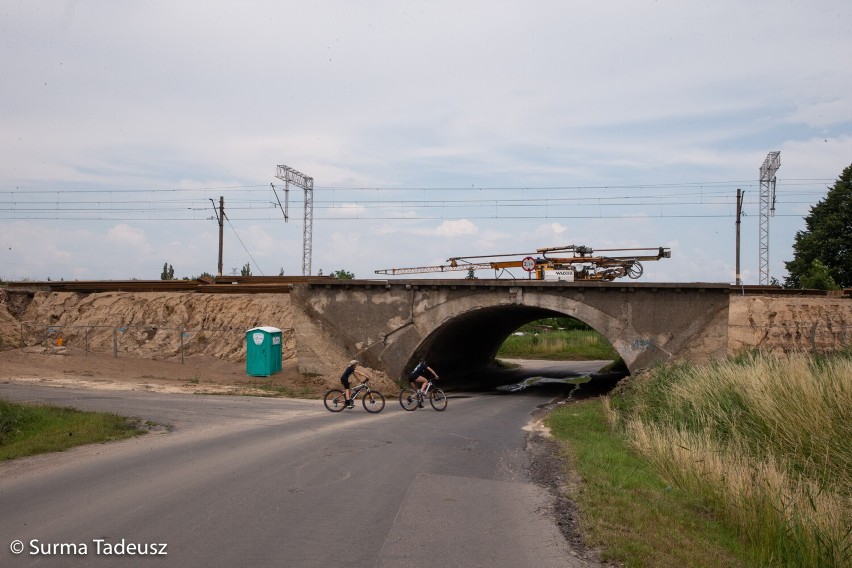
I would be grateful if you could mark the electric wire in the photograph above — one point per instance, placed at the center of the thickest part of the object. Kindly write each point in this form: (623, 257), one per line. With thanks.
(26, 204)
(727, 183)
(244, 246)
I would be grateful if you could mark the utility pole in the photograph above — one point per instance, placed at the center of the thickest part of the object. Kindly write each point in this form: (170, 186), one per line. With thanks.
(221, 229)
(220, 217)
(739, 213)
(289, 175)
(767, 209)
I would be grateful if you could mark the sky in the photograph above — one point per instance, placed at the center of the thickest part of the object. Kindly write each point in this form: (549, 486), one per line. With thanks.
(430, 129)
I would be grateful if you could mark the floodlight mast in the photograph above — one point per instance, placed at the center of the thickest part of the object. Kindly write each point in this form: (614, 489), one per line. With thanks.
(767, 209)
(289, 175)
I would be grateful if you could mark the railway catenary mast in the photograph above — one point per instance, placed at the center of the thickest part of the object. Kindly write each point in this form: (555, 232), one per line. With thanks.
(767, 209)
(288, 176)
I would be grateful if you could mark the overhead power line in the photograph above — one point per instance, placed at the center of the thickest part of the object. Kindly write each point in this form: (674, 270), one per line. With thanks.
(243, 244)
(260, 203)
(707, 198)
(653, 185)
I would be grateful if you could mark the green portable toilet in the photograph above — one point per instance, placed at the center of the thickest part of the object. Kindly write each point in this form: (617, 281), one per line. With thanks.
(263, 351)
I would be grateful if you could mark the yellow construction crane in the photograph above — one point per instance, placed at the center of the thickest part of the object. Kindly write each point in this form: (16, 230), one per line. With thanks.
(582, 264)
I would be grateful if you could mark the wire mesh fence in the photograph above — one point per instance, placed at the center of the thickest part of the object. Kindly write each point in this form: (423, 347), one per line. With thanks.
(146, 341)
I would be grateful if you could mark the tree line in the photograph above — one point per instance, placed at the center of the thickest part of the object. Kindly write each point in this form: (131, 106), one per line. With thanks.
(168, 273)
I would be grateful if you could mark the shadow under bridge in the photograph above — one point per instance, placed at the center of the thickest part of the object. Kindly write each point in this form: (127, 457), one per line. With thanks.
(464, 347)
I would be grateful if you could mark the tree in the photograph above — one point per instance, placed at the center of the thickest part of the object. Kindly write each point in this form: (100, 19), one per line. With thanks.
(246, 270)
(343, 274)
(827, 238)
(818, 277)
(168, 272)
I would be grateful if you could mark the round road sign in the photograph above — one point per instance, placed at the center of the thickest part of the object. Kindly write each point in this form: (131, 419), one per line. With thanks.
(528, 264)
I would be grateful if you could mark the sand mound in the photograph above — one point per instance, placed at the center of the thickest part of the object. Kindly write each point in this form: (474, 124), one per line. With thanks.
(125, 338)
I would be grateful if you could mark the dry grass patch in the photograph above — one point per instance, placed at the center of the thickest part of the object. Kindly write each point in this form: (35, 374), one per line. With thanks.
(765, 443)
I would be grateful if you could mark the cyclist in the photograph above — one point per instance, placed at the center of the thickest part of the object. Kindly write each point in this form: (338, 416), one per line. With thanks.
(417, 378)
(344, 378)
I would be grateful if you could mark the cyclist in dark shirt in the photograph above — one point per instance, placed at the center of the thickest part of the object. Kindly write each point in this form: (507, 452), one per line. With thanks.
(344, 379)
(417, 377)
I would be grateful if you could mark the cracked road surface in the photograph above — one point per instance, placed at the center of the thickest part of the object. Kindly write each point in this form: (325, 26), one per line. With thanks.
(241, 481)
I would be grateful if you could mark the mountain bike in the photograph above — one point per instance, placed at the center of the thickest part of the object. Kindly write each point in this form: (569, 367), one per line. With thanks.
(373, 401)
(412, 399)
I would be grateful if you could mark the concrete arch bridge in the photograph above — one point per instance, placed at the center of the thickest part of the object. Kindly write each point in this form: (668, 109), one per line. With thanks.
(459, 325)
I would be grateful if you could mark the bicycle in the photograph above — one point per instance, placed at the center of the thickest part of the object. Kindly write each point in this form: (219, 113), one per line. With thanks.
(373, 401)
(412, 399)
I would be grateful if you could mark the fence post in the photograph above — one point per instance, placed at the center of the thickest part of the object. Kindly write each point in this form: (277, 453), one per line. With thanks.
(181, 346)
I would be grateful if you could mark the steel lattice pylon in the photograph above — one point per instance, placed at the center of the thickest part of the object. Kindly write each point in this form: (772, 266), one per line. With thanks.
(767, 209)
(289, 175)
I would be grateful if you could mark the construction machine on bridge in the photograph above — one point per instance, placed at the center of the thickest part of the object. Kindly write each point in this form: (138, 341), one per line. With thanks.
(584, 263)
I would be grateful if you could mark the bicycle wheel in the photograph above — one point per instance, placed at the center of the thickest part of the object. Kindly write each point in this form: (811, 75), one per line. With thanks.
(438, 399)
(334, 400)
(408, 399)
(373, 401)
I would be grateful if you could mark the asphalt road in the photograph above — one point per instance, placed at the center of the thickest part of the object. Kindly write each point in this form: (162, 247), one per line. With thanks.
(243, 481)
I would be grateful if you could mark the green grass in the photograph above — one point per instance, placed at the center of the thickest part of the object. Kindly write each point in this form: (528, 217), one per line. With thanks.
(562, 345)
(27, 430)
(764, 443)
(627, 510)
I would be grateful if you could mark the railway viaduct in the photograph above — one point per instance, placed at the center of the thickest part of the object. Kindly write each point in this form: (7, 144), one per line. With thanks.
(458, 325)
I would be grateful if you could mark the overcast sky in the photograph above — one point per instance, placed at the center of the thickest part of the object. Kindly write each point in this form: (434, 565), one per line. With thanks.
(431, 130)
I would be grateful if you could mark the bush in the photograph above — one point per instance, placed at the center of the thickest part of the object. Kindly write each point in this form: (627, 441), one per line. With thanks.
(10, 421)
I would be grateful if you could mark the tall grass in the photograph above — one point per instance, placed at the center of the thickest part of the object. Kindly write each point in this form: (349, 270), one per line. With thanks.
(627, 511)
(569, 344)
(766, 443)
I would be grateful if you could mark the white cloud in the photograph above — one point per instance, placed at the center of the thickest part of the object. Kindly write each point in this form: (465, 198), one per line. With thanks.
(550, 230)
(816, 157)
(429, 95)
(823, 112)
(123, 235)
(345, 210)
(456, 228)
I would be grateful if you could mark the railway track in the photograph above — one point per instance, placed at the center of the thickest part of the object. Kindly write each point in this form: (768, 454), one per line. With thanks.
(283, 284)
(216, 285)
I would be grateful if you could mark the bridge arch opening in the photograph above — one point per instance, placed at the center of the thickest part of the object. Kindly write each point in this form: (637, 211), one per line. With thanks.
(462, 350)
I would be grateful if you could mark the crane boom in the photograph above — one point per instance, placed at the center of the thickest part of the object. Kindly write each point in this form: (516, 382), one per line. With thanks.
(581, 266)
(438, 268)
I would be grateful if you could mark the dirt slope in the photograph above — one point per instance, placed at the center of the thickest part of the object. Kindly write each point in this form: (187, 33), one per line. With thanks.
(191, 342)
